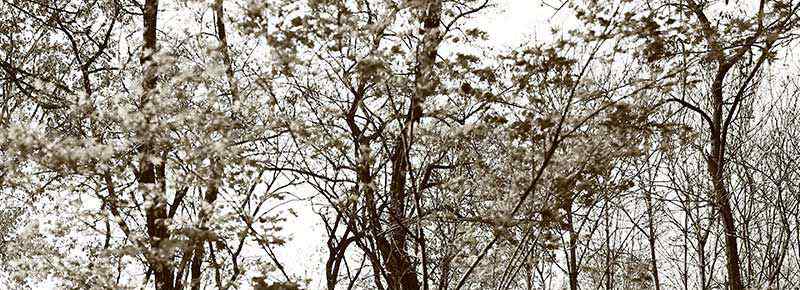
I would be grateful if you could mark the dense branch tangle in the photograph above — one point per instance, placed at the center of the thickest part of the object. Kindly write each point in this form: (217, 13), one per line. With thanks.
(168, 143)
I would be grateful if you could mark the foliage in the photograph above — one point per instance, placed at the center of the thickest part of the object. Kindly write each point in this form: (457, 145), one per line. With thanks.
(165, 145)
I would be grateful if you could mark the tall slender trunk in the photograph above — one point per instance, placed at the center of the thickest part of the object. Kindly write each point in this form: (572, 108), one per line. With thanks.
(215, 163)
(203, 235)
(402, 274)
(609, 271)
(652, 238)
(222, 36)
(702, 240)
(686, 251)
(151, 175)
(701, 252)
(572, 267)
(716, 169)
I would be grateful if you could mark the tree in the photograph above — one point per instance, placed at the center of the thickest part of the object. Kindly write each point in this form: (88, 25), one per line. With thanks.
(755, 35)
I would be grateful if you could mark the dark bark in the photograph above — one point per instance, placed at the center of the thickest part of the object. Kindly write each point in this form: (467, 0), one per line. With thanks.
(402, 274)
(213, 186)
(701, 252)
(609, 256)
(151, 175)
(716, 168)
(222, 36)
(652, 239)
(572, 255)
(203, 234)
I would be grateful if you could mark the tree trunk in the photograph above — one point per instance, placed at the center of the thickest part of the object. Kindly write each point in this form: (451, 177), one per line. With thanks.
(151, 175)
(652, 238)
(216, 174)
(402, 274)
(608, 271)
(203, 234)
(716, 169)
(222, 36)
(572, 255)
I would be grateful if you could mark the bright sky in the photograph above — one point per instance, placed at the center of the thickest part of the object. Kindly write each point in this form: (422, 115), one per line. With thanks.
(518, 21)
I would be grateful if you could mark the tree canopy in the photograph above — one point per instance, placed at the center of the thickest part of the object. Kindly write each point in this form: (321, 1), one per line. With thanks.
(168, 144)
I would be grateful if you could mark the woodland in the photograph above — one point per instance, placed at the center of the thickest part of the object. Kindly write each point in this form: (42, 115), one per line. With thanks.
(167, 144)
